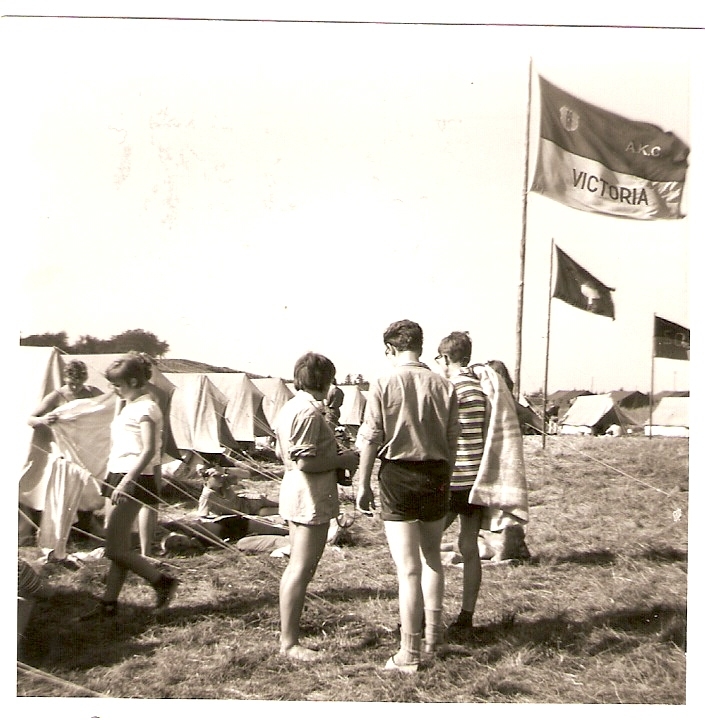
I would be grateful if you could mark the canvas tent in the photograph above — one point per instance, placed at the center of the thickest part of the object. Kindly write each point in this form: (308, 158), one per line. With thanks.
(630, 399)
(276, 394)
(593, 415)
(353, 408)
(670, 418)
(244, 414)
(198, 414)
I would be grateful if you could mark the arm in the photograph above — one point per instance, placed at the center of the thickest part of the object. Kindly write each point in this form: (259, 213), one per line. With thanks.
(43, 414)
(142, 461)
(314, 464)
(365, 496)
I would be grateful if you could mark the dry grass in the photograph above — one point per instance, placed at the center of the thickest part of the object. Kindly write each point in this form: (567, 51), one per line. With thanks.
(598, 615)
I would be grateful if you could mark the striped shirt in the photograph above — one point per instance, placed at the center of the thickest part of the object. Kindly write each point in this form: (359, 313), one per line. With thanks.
(472, 406)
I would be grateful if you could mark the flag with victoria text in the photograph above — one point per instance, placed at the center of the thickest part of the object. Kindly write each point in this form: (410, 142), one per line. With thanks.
(594, 160)
(576, 286)
(671, 340)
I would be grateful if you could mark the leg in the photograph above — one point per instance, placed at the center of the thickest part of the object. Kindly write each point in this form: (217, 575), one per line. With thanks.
(472, 565)
(432, 581)
(403, 538)
(118, 549)
(307, 545)
(147, 521)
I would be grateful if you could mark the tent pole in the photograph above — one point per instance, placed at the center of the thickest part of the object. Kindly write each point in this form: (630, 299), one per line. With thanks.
(548, 340)
(522, 248)
(653, 356)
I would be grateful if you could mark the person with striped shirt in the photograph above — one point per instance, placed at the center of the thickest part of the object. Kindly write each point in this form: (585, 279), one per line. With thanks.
(454, 353)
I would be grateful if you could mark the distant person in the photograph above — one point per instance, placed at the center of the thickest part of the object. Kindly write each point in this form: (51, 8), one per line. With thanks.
(526, 418)
(135, 455)
(454, 354)
(411, 425)
(333, 402)
(75, 375)
(308, 498)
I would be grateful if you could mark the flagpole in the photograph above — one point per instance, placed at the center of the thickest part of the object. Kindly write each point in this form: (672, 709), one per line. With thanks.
(653, 356)
(522, 247)
(548, 340)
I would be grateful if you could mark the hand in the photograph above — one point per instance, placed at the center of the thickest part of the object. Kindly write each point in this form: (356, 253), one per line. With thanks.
(120, 492)
(365, 500)
(50, 419)
(349, 460)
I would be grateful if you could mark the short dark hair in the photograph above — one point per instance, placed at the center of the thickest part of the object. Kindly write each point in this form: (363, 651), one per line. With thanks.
(133, 365)
(404, 335)
(313, 372)
(76, 371)
(457, 346)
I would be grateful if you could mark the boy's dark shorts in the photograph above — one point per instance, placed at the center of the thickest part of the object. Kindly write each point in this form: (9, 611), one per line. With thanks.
(413, 490)
(459, 503)
(145, 491)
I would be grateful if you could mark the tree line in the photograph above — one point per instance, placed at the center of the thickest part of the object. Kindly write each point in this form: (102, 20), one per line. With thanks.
(139, 340)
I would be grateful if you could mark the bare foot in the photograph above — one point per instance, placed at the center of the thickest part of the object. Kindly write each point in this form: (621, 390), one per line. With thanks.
(298, 652)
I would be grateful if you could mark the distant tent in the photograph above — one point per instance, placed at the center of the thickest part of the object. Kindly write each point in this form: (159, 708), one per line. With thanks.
(353, 408)
(197, 414)
(630, 399)
(276, 394)
(244, 414)
(593, 415)
(162, 390)
(40, 371)
(563, 399)
(529, 418)
(290, 386)
(670, 418)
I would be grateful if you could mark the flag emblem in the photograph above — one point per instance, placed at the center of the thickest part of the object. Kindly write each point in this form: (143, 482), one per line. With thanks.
(594, 160)
(570, 120)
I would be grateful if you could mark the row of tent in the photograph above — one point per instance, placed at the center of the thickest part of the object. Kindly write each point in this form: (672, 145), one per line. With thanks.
(207, 411)
(597, 414)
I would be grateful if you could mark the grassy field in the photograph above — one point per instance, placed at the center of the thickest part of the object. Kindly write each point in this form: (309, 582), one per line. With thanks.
(597, 615)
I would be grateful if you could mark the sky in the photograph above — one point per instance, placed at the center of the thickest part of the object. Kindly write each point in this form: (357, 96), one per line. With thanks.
(249, 191)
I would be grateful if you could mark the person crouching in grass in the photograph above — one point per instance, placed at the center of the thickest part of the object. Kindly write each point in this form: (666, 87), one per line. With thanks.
(308, 498)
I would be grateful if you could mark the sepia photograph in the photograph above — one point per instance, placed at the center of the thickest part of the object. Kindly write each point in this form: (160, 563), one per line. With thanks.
(355, 356)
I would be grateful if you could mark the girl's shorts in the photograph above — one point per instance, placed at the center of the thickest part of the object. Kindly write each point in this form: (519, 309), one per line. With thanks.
(414, 490)
(145, 490)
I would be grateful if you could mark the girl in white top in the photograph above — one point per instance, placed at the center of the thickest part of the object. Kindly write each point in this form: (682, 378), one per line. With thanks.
(134, 459)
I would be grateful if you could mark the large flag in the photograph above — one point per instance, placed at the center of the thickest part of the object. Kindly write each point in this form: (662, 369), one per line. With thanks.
(576, 286)
(671, 340)
(594, 160)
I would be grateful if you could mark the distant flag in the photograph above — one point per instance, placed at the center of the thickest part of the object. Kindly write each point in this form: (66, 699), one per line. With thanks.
(671, 340)
(576, 286)
(594, 160)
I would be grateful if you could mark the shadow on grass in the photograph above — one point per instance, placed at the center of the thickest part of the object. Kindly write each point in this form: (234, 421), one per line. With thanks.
(665, 624)
(607, 557)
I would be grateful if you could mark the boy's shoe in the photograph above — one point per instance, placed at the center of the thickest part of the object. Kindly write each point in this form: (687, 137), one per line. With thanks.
(461, 626)
(104, 610)
(165, 588)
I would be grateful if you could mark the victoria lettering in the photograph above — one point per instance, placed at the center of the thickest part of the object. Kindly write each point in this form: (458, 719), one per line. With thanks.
(618, 193)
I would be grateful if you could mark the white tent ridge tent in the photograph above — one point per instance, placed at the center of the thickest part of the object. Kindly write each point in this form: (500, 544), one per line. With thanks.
(670, 418)
(593, 415)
